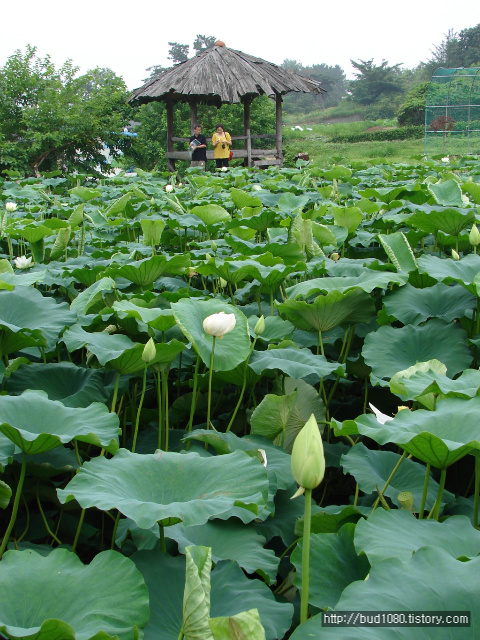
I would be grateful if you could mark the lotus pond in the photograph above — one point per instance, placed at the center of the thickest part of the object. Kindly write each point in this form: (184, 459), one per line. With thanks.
(145, 464)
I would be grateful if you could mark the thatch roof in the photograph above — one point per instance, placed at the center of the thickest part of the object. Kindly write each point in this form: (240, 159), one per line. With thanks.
(220, 75)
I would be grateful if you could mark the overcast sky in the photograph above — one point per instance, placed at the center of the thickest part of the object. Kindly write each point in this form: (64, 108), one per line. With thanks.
(130, 36)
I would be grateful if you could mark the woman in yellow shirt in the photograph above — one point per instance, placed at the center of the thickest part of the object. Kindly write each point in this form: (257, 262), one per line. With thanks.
(221, 142)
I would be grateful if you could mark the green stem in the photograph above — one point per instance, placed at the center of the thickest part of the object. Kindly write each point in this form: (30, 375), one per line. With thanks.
(477, 490)
(438, 502)
(162, 539)
(306, 555)
(159, 404)
(165, 393)
(210, 385)
(50, 532)
(115, 393)
(425, 492)
(389, 479)
(252, 347)
(140, 404)
(79, 528)
(194, 395)
(115, 527)
(16, 502)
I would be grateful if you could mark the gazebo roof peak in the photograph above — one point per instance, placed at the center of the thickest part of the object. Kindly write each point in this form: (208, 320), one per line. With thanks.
(220, 75)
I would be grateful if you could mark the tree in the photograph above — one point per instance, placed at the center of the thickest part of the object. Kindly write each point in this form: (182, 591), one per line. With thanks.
(373, 82)
(203, 42)
(467, 50)
(178, 52)
(49, 115)
(331, 78)
(412, 111)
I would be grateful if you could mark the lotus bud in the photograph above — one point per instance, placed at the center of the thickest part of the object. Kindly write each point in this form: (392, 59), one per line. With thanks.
(405, 499)
(455, 255)
(152, 201)
(446, 159)
(149, 351)
(219, 324)
(169, 188)
(22, 262)
(474, 236)
(334, 256)
(192, 272)
(308, 459)
(208, 256)
(260, 326)
(224, 169)
(180, 185)
(10, 207)
(214, 246)
(223, 283)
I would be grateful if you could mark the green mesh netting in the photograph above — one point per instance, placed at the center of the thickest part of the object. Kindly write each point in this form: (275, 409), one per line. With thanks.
(452, 113)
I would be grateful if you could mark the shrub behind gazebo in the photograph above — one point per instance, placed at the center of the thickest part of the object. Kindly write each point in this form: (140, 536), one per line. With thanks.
(219, 76)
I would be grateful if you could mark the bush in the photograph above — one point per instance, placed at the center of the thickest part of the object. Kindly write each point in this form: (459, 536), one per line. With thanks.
(400, 133)
(412, 111)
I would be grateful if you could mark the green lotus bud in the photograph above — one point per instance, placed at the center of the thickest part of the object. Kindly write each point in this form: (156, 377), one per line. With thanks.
(213, 244)
(149, 351)
(334, 256)
(223, 283)
(308, 460)
(260, 326)
(474, 236)
(208, 256)
(405, 499)
(455, 255)
(152, 201)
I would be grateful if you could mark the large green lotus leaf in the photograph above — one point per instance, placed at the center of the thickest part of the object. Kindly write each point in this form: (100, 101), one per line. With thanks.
(367, 281)
(196, 597)
(26, 308)
(448, 193)
(243, 199)
(90, 296)
(371, 469)
(463, 271)
(448, 220)
(399, 251)
(229, 540)
(152, 230)
(398, 534)
(433, 382)
(5, 494)
(308, 402)
(104, 345)
(258, 221)
(289, 201)
(473, 191)
(389, 350)
(242, 626)
(7, 449)
(74, 386)
(231, 593)
(32, 233)
(56, 597)
(271, 416)
(36, 424)
(144, 272)
(331, 519)
(192, 488)
(429, 581)
(131, 360)
(413, 306)
(334, 564)
(439, 437)
(211, 214)
(159, 319)
(296, 363)
(329, 311)
(428, 400)
(231, 349)
(85, 193)
(349, 217)
(9, 280)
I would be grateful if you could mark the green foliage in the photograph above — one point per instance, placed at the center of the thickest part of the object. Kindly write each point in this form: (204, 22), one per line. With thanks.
(50, 118)
(332, 79)
(399, 133)
(412, 111)
(374, 82)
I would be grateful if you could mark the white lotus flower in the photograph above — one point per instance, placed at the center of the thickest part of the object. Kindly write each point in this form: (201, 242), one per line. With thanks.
(10, 207)
(446, 159)
(381, 417)
(224, 168)
(23, 262)
(218, 324)
(169, 188)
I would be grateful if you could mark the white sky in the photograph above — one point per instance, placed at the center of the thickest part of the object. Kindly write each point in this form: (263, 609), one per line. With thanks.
(130, 36)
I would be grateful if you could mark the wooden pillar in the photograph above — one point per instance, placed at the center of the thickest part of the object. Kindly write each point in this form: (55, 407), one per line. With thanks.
(193, 116)
(246, 130)
(278, 125)
(169, 109)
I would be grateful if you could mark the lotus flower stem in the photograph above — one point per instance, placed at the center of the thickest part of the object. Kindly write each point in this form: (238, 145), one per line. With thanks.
(194, 396)
(159, 404)
(79, 528)
(50, 532)
(438, 501)
(115, 392)
(477, 490)
(140, 404)
(231, 294)
(307, 522)
(210, 386)
(425, 492)
(164, 375)
(320, 344)
(16, 502)
(252, 347)
(115, 527)
(389, 479)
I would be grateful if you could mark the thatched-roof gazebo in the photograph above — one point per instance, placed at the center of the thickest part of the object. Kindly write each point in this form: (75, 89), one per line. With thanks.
(219, 76)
